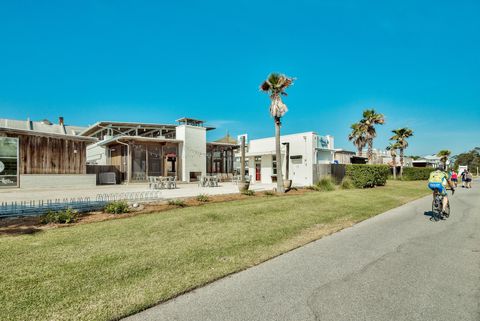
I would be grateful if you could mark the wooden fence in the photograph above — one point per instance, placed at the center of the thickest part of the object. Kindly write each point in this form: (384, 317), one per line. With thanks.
(336, 171)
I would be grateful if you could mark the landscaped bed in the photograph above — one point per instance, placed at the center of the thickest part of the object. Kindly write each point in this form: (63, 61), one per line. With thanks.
(109, 269)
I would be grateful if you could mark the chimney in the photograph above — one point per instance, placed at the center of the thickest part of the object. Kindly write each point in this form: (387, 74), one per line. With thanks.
(60, 120)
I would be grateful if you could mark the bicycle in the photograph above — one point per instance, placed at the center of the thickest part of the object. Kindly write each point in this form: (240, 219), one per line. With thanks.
(437, 207)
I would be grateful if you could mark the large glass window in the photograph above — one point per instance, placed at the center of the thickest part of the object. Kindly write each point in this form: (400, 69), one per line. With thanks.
(8, 162)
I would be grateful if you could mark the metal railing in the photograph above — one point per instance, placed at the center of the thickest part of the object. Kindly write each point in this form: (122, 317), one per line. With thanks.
(81, 204)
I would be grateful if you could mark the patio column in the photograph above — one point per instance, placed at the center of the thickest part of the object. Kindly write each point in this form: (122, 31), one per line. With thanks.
(130, 163)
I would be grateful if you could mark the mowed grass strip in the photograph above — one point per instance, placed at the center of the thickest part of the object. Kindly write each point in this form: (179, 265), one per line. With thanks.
(106, 270)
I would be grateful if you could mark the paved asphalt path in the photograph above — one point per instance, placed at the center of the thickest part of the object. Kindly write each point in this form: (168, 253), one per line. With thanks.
(399, 265)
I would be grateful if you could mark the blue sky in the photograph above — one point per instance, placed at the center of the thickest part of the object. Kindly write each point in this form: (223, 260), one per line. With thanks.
(418, 62)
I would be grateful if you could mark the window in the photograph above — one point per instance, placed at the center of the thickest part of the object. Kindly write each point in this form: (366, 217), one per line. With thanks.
(8, 162)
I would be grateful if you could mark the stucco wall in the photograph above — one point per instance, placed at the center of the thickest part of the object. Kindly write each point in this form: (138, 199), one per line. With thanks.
(193, 150)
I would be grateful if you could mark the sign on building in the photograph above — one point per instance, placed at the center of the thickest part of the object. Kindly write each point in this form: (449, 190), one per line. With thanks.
(8, 162)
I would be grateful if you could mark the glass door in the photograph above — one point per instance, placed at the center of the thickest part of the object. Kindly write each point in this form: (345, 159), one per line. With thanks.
(9, 162)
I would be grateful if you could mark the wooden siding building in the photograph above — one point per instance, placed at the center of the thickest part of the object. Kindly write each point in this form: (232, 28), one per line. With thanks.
(46, 149)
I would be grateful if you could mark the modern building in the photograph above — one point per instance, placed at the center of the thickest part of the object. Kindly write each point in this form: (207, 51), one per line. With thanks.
(39, 154)
(135, 151)
(301, 153)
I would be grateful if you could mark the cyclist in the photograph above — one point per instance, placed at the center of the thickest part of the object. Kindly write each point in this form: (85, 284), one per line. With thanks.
(437, 183)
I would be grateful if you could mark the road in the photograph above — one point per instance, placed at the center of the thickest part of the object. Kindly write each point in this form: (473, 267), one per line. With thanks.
(399, 265)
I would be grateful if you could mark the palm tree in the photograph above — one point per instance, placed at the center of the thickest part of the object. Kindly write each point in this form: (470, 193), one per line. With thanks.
(444, 154)
(370, 119)
(357, 136)
(393, 152)
(400, 136)
(275, 86)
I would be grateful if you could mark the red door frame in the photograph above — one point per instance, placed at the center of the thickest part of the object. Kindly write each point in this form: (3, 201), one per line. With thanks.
(258, 174)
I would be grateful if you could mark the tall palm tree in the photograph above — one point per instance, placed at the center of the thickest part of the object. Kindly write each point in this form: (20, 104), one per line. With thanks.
(393, 152)
(357, 137)
(369, 121)
(400, 136)
(275, 86)
(444, 154)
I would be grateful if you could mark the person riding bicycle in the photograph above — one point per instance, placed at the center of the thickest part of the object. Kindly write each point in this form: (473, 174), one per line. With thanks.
(438, 182)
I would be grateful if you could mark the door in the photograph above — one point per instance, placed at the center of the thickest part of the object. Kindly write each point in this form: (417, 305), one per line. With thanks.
(258, 170)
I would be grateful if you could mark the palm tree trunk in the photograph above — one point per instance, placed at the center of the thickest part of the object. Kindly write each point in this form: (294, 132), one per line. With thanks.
(394, 167)
(280, 187)
(359, 151)
(370, 151)
(401, 162)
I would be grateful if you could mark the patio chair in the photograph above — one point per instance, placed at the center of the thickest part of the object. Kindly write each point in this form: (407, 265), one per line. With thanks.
(152, 184)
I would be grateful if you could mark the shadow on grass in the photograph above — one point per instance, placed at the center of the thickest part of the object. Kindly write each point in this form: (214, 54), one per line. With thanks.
(19, 230)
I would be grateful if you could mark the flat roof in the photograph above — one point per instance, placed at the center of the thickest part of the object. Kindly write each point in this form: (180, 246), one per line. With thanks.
(102, 124)
(138, 139)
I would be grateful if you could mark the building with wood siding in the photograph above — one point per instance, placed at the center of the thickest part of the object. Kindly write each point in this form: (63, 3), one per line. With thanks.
(47, 154)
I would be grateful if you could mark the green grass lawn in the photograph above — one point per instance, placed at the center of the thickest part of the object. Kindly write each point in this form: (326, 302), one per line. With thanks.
(106, 270)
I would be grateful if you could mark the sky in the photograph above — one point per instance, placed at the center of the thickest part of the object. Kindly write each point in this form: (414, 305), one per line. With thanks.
(417, 62)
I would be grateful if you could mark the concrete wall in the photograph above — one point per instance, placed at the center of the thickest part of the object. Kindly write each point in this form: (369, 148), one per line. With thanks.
(301, 144)
(58, 181)
(193, 150)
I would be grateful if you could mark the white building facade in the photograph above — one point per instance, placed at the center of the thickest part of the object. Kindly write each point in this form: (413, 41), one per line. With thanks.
(305, 150)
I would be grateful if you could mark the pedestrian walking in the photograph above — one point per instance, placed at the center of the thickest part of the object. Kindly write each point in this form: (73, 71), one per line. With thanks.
(469, 178)
(454, 178)
(464, 179)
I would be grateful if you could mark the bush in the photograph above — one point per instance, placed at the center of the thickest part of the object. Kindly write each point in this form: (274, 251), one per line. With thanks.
(346, 183)
(179, 203)
(249, 192)
(203, 198)
(325, 185)
(116, 207)
(269, 193)
(363, 176)
(60, 217)
(416, 173)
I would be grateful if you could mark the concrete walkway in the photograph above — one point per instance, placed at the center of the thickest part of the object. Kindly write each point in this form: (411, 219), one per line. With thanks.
(396, 266)
(183, 190)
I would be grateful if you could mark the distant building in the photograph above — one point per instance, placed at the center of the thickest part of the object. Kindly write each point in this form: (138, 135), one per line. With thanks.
(427, 161)
(343, 156)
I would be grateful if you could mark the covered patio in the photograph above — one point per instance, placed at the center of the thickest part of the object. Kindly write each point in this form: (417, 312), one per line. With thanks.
(137, 158)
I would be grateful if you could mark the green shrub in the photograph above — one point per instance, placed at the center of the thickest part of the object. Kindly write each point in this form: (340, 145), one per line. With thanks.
(60, 217)
(249, 192)
(346, 183)
(179, 203)
(203, 198)
(269, 193)
(416, 173)
(325, 185)
(363, 176)
(116, 207)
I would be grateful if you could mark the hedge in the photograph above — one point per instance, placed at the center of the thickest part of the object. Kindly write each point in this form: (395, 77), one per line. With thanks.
(363, 176)
(416, 173)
